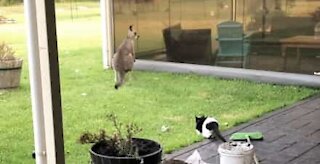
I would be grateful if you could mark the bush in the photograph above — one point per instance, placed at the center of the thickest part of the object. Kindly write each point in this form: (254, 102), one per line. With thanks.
(6, 52)
(119, 143)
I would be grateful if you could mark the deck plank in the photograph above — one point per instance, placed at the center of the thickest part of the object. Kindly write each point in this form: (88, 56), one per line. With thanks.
(291, 135)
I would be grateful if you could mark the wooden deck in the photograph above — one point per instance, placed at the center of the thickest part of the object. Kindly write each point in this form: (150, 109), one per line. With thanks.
(291, 136)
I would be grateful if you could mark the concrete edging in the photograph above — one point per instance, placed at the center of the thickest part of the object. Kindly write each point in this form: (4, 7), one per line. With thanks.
(231, 73)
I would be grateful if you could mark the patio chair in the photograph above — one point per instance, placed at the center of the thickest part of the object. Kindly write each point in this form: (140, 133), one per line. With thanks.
(188, 45)
(232, 49)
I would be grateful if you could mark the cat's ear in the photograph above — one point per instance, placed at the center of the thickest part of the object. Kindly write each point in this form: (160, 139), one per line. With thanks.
(197, 118)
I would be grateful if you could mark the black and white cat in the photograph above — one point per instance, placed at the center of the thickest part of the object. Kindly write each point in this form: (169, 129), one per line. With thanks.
(208, 127)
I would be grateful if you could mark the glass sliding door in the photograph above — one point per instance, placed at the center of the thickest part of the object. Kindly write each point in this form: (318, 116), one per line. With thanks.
(190, 36)
(149, 17)
(280, 34)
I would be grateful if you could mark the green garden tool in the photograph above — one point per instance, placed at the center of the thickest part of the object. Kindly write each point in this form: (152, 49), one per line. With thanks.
(241, 136)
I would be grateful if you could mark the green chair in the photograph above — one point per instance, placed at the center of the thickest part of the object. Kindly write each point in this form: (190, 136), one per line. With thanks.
(232, 47)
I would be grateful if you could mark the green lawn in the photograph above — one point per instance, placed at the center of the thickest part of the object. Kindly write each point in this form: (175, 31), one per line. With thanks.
(149, 99)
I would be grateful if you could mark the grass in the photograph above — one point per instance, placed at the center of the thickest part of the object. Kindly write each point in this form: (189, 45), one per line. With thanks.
(150, 99)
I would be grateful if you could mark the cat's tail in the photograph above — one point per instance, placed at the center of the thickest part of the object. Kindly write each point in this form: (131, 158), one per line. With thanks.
(218, 134)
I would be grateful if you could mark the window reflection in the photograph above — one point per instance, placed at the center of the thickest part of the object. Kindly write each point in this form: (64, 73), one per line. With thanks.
(186, 31)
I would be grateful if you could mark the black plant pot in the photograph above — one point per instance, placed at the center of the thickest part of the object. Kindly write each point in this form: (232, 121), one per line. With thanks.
(150, 152)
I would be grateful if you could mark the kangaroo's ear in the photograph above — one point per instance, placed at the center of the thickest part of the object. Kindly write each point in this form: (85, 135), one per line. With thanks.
(130, 27)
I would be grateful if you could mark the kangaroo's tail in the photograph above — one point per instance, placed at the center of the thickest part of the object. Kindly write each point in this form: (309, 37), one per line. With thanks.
(119, 79)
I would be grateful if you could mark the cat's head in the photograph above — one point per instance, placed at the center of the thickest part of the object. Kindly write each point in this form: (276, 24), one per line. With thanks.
(199, 122)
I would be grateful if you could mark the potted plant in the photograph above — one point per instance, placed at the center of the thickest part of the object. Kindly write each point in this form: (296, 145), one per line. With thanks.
(10, 67)
(121, 147)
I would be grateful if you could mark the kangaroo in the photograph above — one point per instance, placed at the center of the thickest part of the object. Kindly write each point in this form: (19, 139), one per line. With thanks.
(123, 59)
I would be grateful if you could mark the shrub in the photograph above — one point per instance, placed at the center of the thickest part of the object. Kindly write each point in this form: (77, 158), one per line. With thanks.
(6, 52)
(119, 143)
